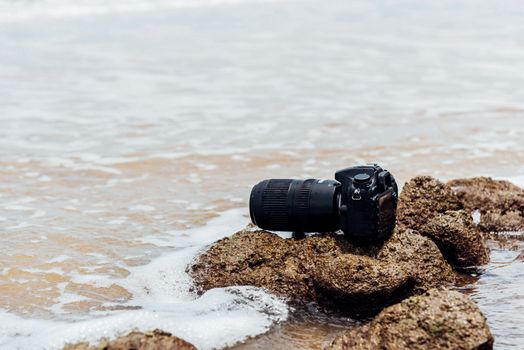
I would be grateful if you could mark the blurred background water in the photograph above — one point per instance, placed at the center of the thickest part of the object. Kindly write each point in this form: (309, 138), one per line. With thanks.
(127, 125)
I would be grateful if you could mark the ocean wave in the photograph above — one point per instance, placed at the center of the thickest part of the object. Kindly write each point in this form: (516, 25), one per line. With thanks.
(219, 318)
(161, 299)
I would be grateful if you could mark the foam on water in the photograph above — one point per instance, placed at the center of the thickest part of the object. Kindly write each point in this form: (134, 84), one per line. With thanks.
(228, 222)
(218, 318)
(162, 298)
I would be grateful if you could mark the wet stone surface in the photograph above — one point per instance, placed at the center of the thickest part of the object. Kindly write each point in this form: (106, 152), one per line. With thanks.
(422, 198)
(500, 203)
(431, 208)
(154, 340)
(458, 238)
(438, 319)
(325, 268)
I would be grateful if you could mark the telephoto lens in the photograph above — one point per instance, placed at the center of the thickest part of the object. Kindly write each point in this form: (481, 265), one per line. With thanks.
(295, 205)
(361, 202)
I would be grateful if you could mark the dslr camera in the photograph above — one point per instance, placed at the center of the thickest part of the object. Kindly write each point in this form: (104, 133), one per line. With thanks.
(361, 201)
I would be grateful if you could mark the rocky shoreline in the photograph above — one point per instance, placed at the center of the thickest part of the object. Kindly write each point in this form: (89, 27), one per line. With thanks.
(403, 282)
(326, 269)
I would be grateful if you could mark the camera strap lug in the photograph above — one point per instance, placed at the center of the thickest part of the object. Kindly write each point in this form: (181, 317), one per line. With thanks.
(356, 195)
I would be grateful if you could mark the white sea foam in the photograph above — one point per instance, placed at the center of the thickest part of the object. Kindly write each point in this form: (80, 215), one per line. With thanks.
(162, 289)
(476, 217)
(228, 222)
(218, 318)
(58, 259)
(141, 207)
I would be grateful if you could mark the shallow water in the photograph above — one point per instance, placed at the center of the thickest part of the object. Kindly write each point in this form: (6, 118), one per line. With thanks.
(127, 126)
(499, 292)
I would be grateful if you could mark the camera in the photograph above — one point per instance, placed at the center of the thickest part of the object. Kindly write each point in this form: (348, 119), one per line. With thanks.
(361, 201)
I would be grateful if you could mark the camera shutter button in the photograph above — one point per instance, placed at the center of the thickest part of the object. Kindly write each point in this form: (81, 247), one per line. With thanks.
(362, 178)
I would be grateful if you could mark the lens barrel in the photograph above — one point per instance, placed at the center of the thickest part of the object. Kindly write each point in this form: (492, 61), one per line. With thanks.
(296, 205)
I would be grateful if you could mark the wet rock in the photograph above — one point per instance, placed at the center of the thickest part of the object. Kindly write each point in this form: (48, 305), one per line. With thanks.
(256, 258)
(497, 220)
(419, 257)
(458, 238)
(422, 198)
(325, 268)
(438, 319)
(431, 208)
(156, 340)
(360, 278)
(500, 203)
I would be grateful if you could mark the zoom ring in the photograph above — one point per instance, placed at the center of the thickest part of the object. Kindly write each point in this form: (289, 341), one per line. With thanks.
(274, 203)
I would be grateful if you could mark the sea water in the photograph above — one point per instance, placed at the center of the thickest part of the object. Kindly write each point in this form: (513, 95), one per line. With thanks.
(132, 131)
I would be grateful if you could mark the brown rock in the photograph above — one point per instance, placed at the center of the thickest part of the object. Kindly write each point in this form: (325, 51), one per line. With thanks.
(422, 198)
(438, 319)
(500, 203)
(431, 208)
(501, 221)
(458, 238)
(255, 258)
(362, 279)
(155, 340)
(324, 268)
(419, 257)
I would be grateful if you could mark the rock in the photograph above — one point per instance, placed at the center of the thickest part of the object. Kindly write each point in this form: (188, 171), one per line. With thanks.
(156, 340)
(431, 208)
(500, 203)
(458, 238)
(325, 268)
(419, 257)
(438, 319)
(501, 221)
(362, 279)
(422, 198)
(256, 258)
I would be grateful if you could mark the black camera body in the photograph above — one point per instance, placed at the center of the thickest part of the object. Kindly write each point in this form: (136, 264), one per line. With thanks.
(368, 201)
(362, 202)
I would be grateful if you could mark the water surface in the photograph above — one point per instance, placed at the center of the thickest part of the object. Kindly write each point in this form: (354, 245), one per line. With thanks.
(127, 126)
